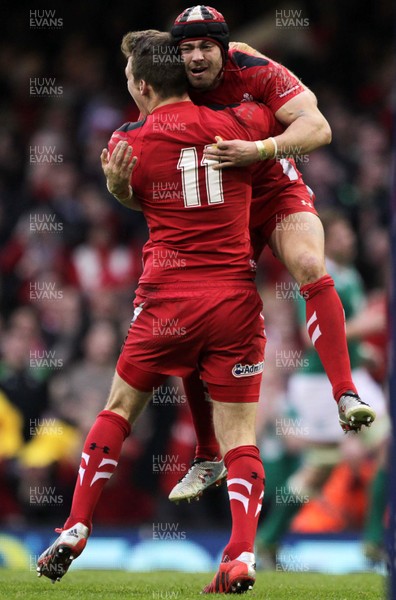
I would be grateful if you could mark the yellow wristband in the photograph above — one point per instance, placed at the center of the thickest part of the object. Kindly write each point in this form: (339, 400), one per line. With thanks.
(261, 150)
(261, 146)
(273, 140)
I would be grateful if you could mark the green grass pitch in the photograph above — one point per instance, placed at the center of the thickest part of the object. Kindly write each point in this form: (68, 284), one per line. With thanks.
(120, 585)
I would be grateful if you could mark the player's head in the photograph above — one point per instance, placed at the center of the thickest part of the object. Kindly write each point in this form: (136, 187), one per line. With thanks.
(340, 239)
(203, 38)
(154, 67)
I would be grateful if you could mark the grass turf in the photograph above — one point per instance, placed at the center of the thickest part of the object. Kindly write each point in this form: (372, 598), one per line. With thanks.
(117, 585)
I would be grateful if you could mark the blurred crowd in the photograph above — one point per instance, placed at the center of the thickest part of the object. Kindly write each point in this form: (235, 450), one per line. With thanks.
(70, 256)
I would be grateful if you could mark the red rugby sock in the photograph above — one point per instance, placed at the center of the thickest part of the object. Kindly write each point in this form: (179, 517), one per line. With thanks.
(100, 456)
(326, 328)
(201, 411)
(245, 481)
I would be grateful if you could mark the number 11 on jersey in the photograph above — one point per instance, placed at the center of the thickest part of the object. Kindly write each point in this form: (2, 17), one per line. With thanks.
(188, 165)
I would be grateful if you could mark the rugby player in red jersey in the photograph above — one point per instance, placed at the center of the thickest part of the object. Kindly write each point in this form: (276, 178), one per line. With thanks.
(198, 302)
(221, 75)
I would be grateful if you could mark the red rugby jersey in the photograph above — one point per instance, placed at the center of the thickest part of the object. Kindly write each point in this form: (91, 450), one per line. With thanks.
(249, 78)
(198, 218)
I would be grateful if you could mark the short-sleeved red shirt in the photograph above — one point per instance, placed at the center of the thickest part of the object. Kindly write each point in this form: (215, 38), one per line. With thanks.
(198, 218)
(248, 78)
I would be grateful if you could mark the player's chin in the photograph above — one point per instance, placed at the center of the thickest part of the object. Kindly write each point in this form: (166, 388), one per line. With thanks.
(200, 83)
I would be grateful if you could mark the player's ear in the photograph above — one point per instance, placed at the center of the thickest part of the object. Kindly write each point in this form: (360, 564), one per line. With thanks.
(143, 88)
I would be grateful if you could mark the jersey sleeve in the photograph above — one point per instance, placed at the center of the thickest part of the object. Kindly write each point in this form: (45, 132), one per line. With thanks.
(268, 81)
(277, 86)
(117, 136)
(123, 135)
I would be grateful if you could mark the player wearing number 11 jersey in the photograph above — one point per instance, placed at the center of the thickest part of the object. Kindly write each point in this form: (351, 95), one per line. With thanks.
(199, 303)
(199, 243)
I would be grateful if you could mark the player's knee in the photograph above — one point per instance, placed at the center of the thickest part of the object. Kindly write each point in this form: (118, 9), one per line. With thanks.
(118, 400)
(309, 267)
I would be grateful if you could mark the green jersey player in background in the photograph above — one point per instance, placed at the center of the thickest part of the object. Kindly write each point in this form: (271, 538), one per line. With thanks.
(312, 424)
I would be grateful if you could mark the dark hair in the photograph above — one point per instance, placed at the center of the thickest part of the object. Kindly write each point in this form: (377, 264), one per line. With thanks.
(156, 59)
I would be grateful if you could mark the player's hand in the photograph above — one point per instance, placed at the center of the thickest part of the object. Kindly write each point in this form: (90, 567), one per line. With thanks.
(234, 153)
(118, 169)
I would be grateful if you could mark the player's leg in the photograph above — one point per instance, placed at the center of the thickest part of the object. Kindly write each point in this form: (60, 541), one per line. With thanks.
(235, 429)
(102, 448)
(300, 246)
(233, 373)
(100, 455)
(207, 468)
(201, 411)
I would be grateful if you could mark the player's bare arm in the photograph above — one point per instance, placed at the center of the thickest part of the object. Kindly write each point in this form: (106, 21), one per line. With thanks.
(118, 171)
(306, 127)
(306, 130)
